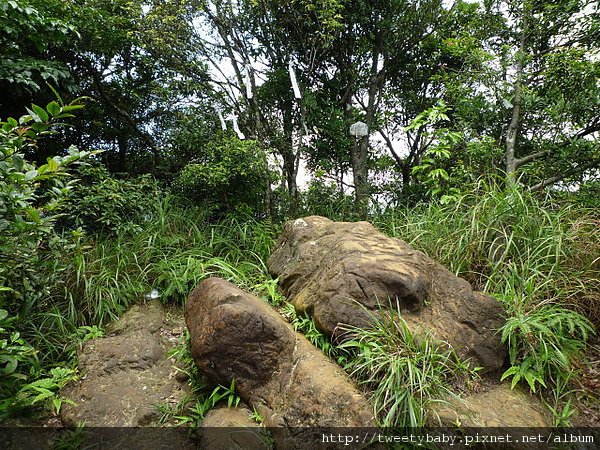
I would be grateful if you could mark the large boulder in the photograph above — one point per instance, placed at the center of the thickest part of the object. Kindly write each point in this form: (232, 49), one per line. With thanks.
(342, 273)
(290, 383)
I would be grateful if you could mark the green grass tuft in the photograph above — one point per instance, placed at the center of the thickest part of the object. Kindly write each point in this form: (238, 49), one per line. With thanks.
(406, 373)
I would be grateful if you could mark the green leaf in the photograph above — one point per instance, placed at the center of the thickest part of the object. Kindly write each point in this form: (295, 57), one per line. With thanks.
(531, 379)
(11, 364)
(30, 175)
(34, 215)
(41, 112)
(515, 380)
(511, 371)
(53, 108)
(43, 395)
(38, 127)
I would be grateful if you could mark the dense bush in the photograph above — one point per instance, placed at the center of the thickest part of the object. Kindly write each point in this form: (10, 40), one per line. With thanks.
(30, 197)
(99, 202)
(230, 175)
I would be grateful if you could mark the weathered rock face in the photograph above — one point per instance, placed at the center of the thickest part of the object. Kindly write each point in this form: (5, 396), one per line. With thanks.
(127, 373)
(277, 371)
(499, 406)
(341, 272)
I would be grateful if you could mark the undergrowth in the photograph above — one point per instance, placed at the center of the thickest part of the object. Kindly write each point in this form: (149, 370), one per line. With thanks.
(97, 277)
(406, 373)
(170, 253)
(538, 258)
(304, 324)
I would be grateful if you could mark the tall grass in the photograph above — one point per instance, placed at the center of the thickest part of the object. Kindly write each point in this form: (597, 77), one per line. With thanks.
(171, 252)
(510, 244)
(539, 258)
(405, 373)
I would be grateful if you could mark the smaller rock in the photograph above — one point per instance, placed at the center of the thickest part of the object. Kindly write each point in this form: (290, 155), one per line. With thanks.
(125, 374)
(232, 428)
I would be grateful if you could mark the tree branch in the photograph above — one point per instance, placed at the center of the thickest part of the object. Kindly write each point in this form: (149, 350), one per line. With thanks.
(591, 128)
(121, 112)
(390, 145)
(550, 181)
(524, 160)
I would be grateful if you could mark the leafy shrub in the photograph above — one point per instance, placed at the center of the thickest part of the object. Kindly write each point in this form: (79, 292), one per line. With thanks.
(26, 33)
(44, 391)
(542, 344)
(18, 360)
(29, 201)
(588, 194)
(430, 171)
(30, 197)
(99, 202)
(230, 175)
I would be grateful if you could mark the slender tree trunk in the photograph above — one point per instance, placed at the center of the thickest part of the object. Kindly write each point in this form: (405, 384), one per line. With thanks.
(406, 175)
(290, 163)
(122, 144)
(360, 172)
(513, 127)
(360, 150)
(291, 173)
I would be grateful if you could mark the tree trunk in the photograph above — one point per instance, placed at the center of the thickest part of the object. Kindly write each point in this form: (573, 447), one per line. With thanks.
(359, 154)
(406, 175)
(513, 127)
(360, 150)
(290, 163)
(122, 161)
(291, 173)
